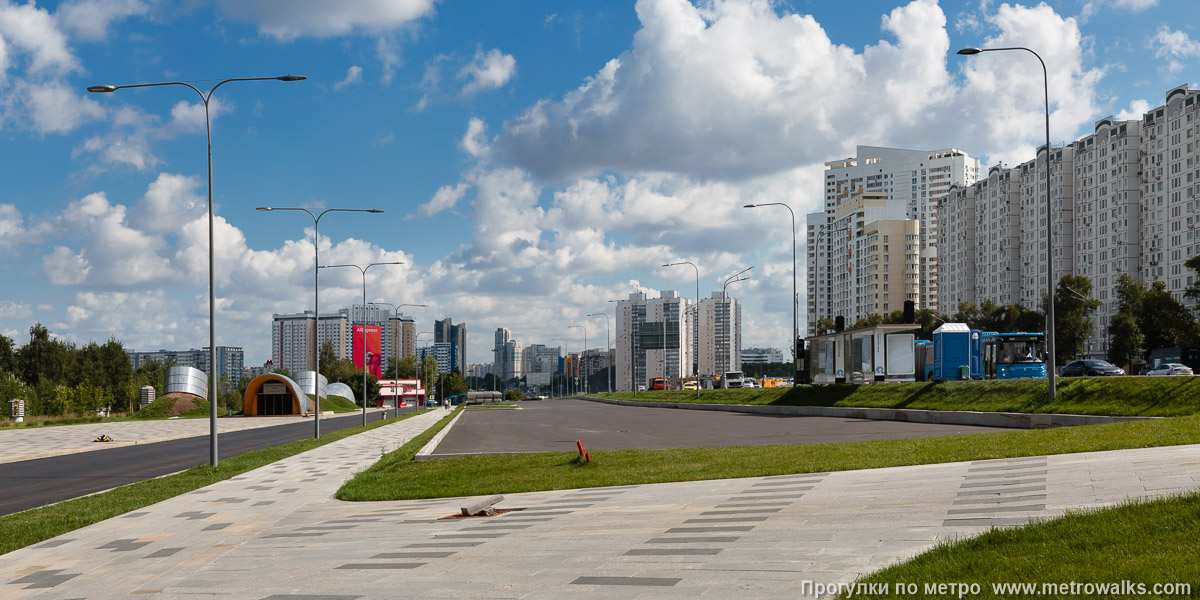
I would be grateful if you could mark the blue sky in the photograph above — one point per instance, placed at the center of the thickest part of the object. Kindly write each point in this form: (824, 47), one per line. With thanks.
(534, 159)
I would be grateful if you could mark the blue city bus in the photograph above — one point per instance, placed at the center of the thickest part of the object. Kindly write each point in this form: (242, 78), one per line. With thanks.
(1013, 355)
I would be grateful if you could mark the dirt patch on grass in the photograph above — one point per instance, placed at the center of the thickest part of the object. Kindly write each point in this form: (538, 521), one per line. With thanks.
(181, 403)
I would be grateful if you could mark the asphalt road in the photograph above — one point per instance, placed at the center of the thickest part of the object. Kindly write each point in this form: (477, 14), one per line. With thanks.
(33, 483)
(554, 425)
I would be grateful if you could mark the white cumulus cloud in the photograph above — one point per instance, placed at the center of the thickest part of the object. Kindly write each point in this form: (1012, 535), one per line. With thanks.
(353, 76)
(321, 18)
(90, 19)
(487, 71)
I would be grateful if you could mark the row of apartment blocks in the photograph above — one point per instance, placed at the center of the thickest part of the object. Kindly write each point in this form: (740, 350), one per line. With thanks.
(292, 337)
(514, 360)
(1123, 201)
(230, 360)
(667, 337)
(920, 225)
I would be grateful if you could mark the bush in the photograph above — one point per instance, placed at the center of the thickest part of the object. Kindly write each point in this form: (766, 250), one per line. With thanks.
(513, 395)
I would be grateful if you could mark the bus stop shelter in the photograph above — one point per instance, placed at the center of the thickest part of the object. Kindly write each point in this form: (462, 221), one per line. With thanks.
(876, 353)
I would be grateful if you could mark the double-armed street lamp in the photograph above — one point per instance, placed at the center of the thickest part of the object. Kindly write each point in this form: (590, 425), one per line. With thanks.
(421, 364)
(212, 310)
(795, 295)
(316, 349)
(365, 366)
(1050, 359)
(399, 332)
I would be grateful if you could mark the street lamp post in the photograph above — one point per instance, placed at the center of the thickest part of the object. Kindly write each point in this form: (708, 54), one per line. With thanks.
(363, 270)
(212, 310)
(607, 332)
(563, 375)
(421, 363)
(396, 308)
(578, 371)
(1050, 359)
(736, 277)
(695, 343)
(317, 300)
(795, 296)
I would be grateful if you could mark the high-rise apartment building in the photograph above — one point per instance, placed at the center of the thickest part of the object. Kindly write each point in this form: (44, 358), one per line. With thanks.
(1124, 201)
(863, 258)
(509, 363)
(653, 339)
(758, 356)
(720, 329)
(539, 358)
(291, 335)
(444, 332)
(912, 181)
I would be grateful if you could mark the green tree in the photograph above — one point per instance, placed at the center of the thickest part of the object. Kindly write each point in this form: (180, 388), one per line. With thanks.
(824, 326)
(1125, 340)
(967, 313)
(452, 384)
(43, 360)
(1166, 322)
(403, 368)
(1072, 323)
(327, 356)
(1193, 290)
(8, 356)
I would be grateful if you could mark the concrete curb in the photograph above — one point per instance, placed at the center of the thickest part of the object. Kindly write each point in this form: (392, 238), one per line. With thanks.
(427, 450)
(941, 417)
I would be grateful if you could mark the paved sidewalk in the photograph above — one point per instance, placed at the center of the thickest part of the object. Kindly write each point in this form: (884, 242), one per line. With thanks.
(277, 533)
(39, 442)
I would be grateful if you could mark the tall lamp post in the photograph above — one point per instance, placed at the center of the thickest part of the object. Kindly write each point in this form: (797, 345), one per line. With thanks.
(316, 350)
(212, 310)
(578, 371)
(396, 389)
(1050, 359)
(421, 363)
(795, 296)
(608, 332)
(366, 366)
(563, 376)
(695, 344)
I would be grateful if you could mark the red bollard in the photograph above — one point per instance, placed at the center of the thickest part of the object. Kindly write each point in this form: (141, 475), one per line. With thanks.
(587, 457)
(580, 445)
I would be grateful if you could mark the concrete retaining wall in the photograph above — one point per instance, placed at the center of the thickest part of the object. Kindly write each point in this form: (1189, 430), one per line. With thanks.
(943, 417)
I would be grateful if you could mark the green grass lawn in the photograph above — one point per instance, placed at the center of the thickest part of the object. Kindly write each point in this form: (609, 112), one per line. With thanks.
(395, 477)
(35, 525)
(1143, 541)
(339, 405)
(1127, 396)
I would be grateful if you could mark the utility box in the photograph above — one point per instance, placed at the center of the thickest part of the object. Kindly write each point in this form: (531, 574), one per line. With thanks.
(145, 396)
(16, 410)
(951, 352)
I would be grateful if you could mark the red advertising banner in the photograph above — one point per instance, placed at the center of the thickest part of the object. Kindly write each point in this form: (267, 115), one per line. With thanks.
(374, 339)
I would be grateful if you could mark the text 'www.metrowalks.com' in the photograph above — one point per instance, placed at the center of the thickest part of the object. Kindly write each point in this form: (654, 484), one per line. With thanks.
(816, 589)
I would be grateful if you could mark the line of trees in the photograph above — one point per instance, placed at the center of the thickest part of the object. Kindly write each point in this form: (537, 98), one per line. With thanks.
(56, 377)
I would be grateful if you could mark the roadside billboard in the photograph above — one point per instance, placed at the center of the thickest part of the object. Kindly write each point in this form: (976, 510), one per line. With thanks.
(537, 379)
(374, 341)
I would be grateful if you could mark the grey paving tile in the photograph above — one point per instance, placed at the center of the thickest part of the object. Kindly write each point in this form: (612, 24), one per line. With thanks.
(673, 552)
(694, 540)
(710, 529)
(995, 509)
(370, 566)
(648, 581)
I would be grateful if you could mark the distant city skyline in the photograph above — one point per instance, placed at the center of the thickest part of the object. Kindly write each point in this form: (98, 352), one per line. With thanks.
(529, 173)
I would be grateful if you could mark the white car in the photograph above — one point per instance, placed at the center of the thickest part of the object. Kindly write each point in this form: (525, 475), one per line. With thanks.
(749, 382)
(1169, 369)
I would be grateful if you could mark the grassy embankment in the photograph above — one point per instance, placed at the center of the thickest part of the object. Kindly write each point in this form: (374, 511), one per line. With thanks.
(1129, 396)
(35, 525)
(1144, 541)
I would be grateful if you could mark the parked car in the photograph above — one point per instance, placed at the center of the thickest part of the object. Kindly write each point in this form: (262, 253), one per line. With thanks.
(750, 382)
(1169, 369)
(1090, 368)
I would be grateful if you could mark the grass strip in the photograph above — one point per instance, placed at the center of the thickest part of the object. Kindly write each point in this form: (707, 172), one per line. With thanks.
(397, 478)
(1139, 541)
(35, 525)
(1125, 396)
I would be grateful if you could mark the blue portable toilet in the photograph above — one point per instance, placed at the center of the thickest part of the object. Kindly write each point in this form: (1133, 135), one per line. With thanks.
(977, 352)
(952, 352)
